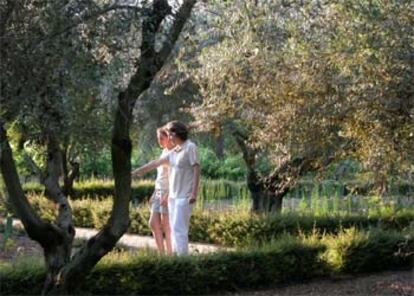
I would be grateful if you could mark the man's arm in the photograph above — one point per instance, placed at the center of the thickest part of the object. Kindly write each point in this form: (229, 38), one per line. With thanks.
(196, 183)
(149, 167)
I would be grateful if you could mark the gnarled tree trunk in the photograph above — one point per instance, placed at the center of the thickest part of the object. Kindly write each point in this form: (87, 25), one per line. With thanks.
(263, 199)
(267, 192)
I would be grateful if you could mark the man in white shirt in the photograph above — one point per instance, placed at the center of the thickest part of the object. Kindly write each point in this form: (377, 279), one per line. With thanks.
(184, 180)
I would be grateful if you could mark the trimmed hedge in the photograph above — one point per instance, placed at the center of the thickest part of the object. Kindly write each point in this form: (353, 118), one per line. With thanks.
(97, 189)
(306, 187)
(239, 230)
(211, 273)
(285, 261)
(141, 190)
(23, 278)
(228, 228)
(355, 251)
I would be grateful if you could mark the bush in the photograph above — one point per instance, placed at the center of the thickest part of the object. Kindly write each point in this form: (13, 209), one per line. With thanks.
(24, 277)
(98, 189)
(288, 261)
(283, 261)
(233, 229)
(231, 167)
(355, 187)
(229, 228)
(142, 190)
(369, 251)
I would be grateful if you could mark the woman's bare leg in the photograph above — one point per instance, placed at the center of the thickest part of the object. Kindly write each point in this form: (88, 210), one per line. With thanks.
(167, 231)
(155, 224)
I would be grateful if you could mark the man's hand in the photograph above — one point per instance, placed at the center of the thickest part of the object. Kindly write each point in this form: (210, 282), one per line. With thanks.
(192, 199)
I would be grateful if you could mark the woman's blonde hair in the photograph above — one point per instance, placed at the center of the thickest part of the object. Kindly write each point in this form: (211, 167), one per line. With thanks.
(161, 131)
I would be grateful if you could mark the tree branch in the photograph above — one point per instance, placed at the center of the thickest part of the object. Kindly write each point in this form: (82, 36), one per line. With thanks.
(53, 190)
(241, 139)
(181, 18)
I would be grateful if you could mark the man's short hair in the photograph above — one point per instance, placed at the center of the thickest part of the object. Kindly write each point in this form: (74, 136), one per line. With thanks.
(178, 128)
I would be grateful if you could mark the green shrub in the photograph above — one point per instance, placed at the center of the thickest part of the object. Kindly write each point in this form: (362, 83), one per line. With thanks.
(305, 187)
(279, 262)
(147, 273)
(24, 277)
(142, 190)
(231, 167)
(355, 251)
(229, 228)
(98, 189)
(234, 229)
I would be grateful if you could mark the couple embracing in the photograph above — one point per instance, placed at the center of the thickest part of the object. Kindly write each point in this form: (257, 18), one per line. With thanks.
(176, 187)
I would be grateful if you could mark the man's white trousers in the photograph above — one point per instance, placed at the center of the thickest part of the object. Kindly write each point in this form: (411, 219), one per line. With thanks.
(179, 211)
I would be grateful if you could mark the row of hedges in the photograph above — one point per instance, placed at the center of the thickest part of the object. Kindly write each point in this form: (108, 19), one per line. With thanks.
(99, 189)
(228, 228)
(222, 189)
(332, 187)
(284, 261)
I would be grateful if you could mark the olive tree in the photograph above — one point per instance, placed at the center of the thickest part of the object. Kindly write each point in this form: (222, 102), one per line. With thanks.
(306, 83)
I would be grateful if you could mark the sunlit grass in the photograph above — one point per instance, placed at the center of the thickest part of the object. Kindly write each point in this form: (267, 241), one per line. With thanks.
(30, 263)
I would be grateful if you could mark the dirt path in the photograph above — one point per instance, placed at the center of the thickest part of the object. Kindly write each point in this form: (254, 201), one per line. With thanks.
(398, 283)
(128, 241)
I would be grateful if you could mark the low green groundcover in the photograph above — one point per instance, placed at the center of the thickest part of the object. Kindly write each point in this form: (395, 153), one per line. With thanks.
(287, 260)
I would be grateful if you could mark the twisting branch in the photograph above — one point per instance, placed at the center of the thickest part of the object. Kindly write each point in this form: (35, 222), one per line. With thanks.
(84, 19)
(36, 228)
(53, 190)
(180, 19)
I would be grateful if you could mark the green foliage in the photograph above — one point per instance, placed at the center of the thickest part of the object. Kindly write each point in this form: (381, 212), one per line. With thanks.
(232, 227)
(280, 262)
(355, 251)
(99, 189)
(231, 167)
(18, 276)
(210, 190)
(148, 274)
(214, 190)
(322, 80)
(211, 163)
(8, 229)
(96, 165)
(355, 186)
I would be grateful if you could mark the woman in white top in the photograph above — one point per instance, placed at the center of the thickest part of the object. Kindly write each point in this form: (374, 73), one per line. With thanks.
(159, 219)
(184, 179)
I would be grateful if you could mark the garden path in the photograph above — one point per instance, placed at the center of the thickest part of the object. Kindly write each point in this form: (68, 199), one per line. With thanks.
(132, 241)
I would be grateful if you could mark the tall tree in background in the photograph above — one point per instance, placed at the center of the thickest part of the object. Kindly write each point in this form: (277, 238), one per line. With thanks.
(308, 83)
(33, 80)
